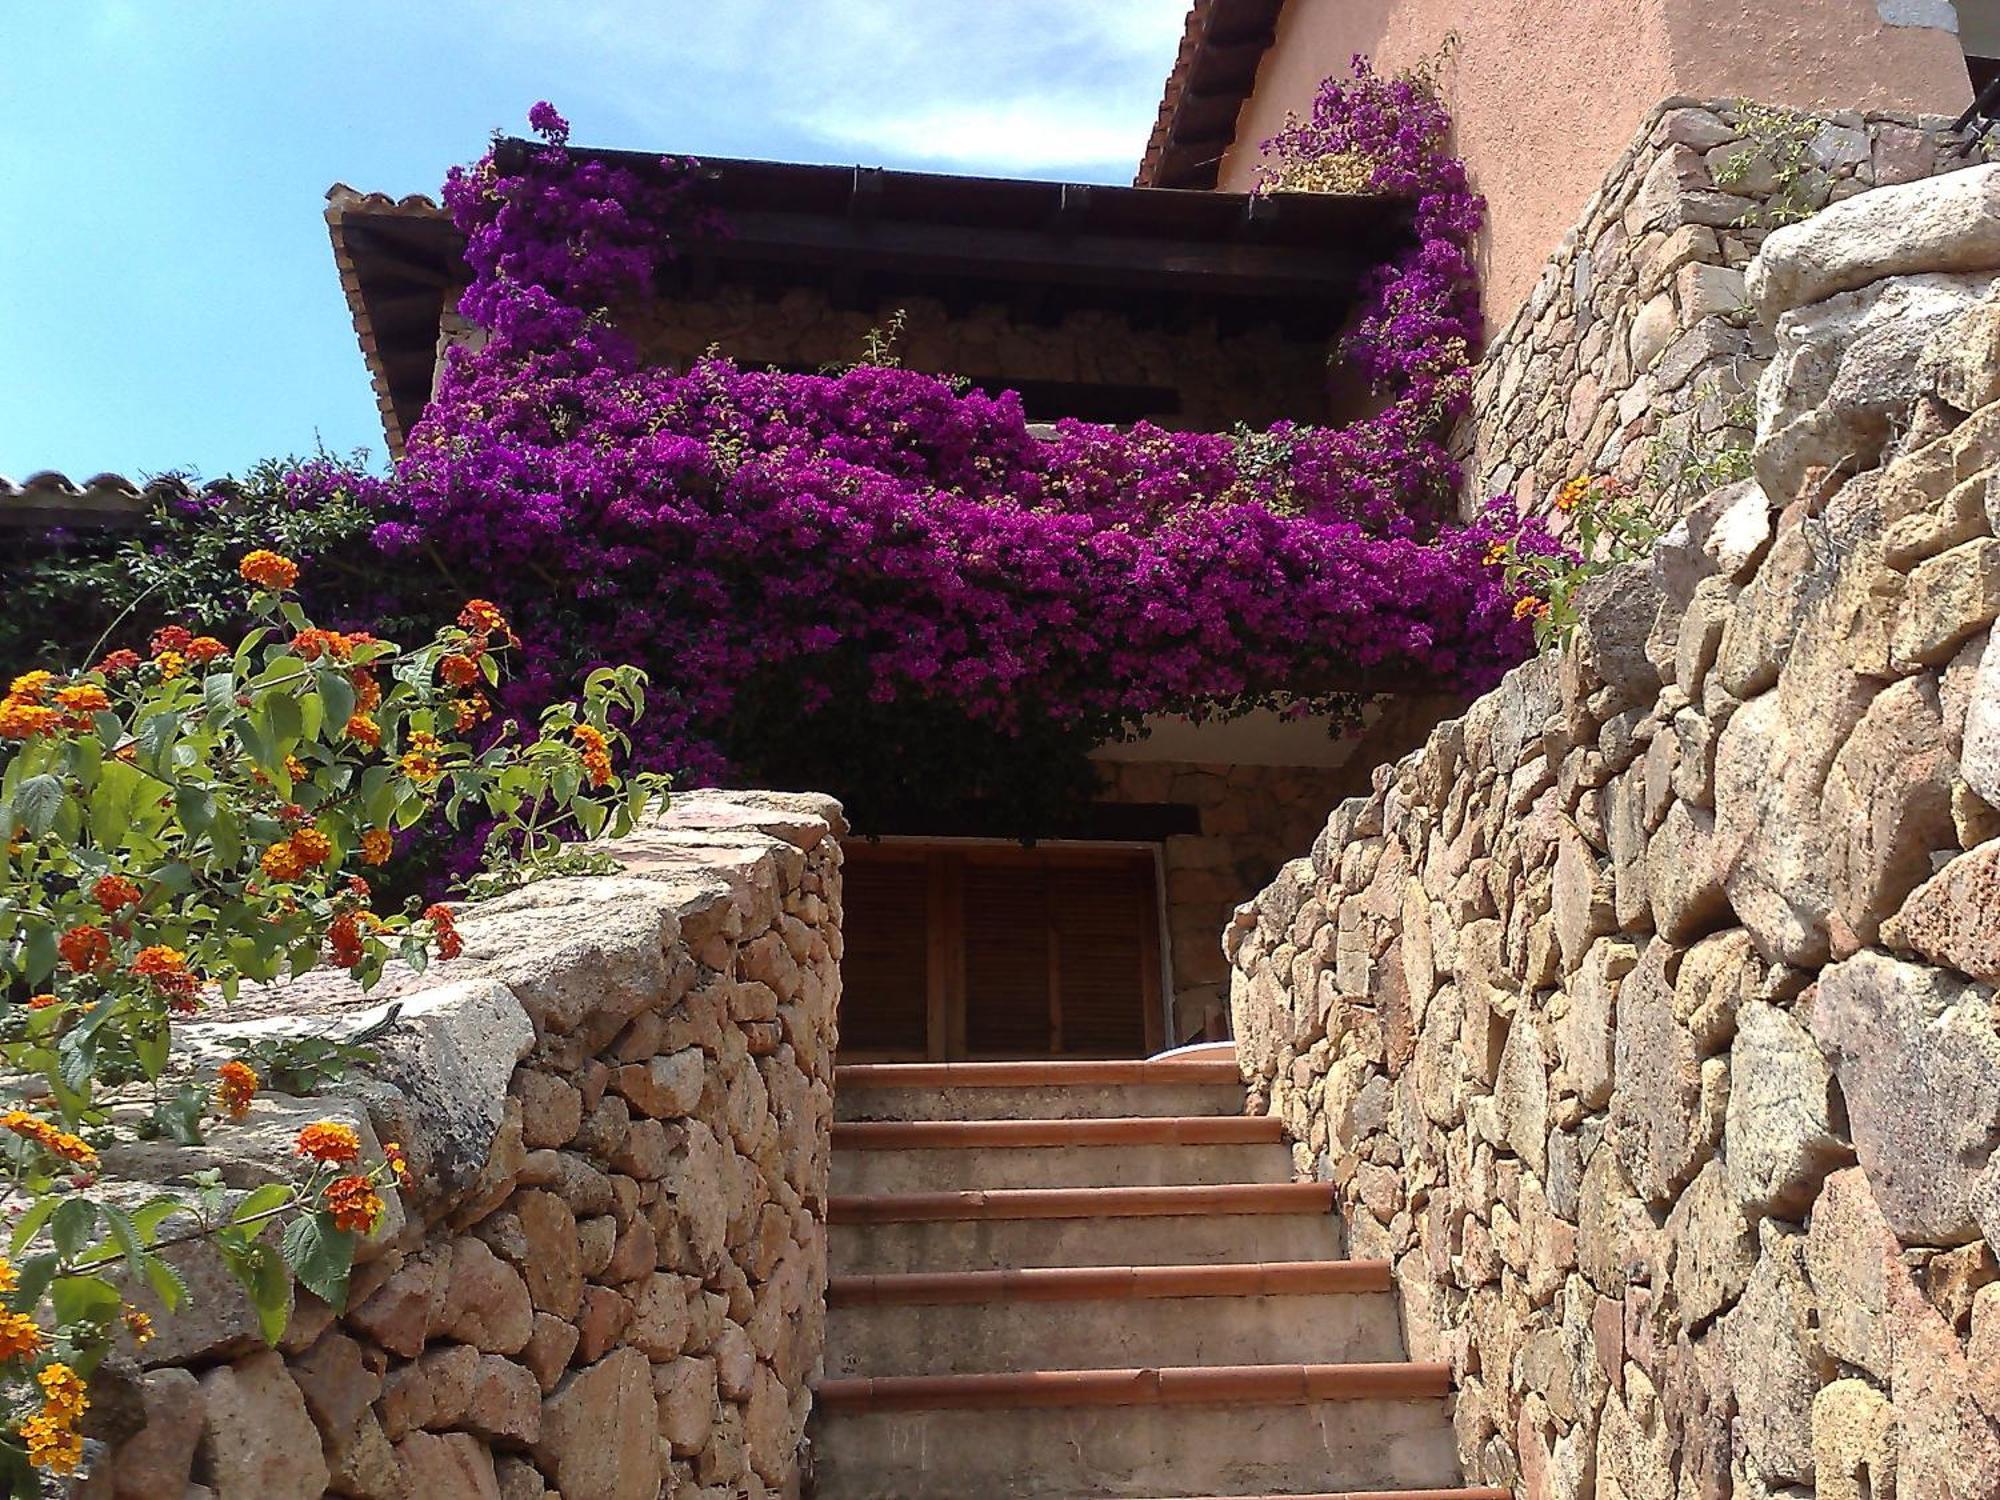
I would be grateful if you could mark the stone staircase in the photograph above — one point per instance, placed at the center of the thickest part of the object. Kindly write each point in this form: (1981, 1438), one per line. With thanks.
(1068, 1279)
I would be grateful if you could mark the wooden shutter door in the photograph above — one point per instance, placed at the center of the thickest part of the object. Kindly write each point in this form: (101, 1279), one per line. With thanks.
(1007, 959)
(885, 965)
(1106, 958)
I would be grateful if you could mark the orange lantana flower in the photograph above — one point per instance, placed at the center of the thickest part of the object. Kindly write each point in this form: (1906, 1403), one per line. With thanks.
(85, 949)
(354, 1204)
(56, 1141)
(449, 943)
(459, 670)
(484, 616)
(330, 1142)
(114, 892)
(19, 1337)
(270, 570)
(235, 1086)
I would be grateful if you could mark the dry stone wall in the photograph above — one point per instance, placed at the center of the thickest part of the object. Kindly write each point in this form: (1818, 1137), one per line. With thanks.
(1645, 1017)
(1639, 340)
(606, 1279)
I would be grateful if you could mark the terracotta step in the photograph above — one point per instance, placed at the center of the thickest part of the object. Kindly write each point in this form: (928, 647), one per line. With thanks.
(1188, 1385)
(1109, 1446)
(1106, 1227)
(1294, 1278)
(1044, 1089)
(1125, 1130)
(921, 1156)
(1083, 1202)
(986, 1321)
(1038, 1072)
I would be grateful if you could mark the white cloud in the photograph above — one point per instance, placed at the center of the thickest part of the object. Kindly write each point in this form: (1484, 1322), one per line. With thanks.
(1021, 134)
(1004, 85)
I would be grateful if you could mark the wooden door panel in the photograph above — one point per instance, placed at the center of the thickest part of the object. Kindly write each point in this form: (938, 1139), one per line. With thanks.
(1100, 924)
(1006, 918)
(884, 966)
(1000, 952)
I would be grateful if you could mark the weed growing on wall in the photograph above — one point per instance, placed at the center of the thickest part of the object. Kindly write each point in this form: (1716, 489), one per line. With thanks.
(1781, 141)
(1609, 523)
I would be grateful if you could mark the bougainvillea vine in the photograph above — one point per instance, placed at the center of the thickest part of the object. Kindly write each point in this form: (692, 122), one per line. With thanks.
(882, 536)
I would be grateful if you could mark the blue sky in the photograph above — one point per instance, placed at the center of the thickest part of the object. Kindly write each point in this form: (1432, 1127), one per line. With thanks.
(167, 297)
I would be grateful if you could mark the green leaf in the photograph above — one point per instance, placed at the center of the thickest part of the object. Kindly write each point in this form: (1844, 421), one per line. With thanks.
(37, 1271)
(179, 1116)
(166, 1282)
(195, 806)
(124, 1234)
(312, 710)
(337, 693)
(72, 1226)
(148, 1218)
(38, 950)
(33, 1220)
(218, 694)
(261, 1201)
(321, 1255)
(261, 1270)
(282, 715)
(83, 1299)
(157, 733)
(151, 1046)
(37, 801)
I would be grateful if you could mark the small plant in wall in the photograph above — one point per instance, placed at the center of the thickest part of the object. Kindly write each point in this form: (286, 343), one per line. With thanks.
(173, 825)
(1780, 141)
(1607, 524)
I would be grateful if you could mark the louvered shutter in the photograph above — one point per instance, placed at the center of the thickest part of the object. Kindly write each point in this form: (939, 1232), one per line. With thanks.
(884, 966)
(1102, 928)
(1006, 960)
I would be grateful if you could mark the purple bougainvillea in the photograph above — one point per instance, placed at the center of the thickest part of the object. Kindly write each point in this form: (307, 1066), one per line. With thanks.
(880, 533)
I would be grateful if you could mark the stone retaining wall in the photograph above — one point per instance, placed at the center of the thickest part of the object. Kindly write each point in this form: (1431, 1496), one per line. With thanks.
(607, 1278)
(1645, 1016)
(1639, 339)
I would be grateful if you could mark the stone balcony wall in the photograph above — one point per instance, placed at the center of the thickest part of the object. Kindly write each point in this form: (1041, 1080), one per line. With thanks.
(1638, 345)
(606, 1279)
(1645, 1017)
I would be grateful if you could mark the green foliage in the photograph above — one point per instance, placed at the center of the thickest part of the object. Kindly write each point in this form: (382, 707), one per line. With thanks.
(71, 590)
(310, 1064)
(1609, 524)
(1680, 470)
(1781, 139)
(174, 825)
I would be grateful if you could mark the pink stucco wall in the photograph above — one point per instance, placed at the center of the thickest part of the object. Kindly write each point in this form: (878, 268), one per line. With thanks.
(1546, 93)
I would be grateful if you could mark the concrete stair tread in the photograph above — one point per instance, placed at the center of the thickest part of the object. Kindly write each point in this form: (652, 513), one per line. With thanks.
(1292, 1278)
(1155, 1449)
(1036, 1073)
(970, 1322)
(1185, 1385)
(1476, 1492)
(1102, 1131)
(993, 1222)
(1084, 1202)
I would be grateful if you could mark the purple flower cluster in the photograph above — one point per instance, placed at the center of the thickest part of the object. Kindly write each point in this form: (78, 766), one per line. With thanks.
(882, 533)
(1420, 319)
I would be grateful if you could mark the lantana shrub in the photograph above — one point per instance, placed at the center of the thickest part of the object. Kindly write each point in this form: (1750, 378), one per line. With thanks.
(777, 547)
(178, 823)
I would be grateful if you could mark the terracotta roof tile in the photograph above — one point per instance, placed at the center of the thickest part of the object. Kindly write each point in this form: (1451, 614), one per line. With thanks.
(49, 499)
(1213, 73)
